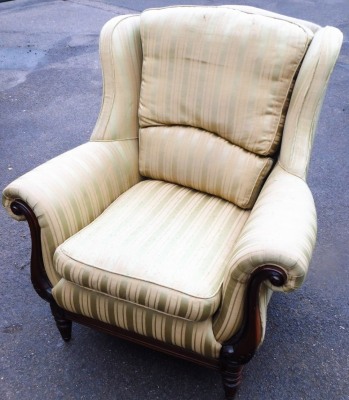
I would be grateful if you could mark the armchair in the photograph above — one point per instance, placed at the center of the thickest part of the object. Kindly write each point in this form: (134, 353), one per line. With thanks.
(189, 206)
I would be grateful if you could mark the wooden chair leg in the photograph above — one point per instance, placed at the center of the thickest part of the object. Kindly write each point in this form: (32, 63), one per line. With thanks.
(231, 381)
(64, 325)
(231, 373)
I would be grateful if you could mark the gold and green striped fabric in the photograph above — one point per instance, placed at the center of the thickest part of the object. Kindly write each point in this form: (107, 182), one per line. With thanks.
(203, 161)
(224, 72)
(120, 50)
(307, 98)
(195, 336)
(71, 190)
(219, 69)
(207, 277)
(160, 245)
(281, 230)
(308, 25)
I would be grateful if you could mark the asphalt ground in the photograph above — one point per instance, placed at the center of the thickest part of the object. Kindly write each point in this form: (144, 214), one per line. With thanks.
(50, 94)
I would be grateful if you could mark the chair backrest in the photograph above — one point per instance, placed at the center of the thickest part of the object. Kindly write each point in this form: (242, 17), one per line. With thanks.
(209, 94)
(216, 84)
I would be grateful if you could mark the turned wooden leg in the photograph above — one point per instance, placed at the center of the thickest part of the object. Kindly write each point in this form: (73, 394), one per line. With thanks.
(231, 372)
(64, 325)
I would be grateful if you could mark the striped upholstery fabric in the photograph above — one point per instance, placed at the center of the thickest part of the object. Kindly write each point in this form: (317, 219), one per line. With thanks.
(203, 249)
(195, 336)
(223, 71)
(121, 57)
(159, 245)
(70, 191)
(207, 163)
(281, 230)
(309, 93)
(266, 13)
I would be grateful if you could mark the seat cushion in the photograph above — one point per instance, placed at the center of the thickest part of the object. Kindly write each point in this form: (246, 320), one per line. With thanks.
(196, 336)
(159, 245)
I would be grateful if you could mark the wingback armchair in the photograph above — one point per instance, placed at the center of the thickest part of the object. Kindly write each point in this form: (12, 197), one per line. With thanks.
(189, 206)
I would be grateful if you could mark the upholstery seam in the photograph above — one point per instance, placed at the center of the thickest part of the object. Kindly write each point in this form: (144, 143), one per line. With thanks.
(112, 140)
(134, 278)
(256, 180)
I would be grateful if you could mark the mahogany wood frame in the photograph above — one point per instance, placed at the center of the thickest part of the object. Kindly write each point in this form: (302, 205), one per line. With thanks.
(235, 352)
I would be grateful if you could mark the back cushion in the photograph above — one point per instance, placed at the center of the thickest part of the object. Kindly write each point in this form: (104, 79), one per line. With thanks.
(214, 93)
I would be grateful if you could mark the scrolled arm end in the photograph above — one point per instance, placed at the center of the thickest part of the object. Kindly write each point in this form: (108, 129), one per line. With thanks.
(277, 242)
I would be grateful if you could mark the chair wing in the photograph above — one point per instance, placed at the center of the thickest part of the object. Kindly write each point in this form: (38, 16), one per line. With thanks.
(121, 58)
(70, 191)
(307, 98)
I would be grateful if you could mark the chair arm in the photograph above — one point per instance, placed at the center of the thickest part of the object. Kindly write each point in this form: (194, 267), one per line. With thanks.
(71, 190)
(280, 231)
